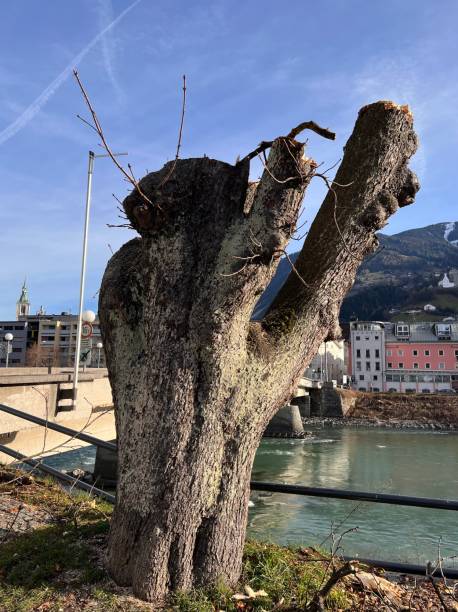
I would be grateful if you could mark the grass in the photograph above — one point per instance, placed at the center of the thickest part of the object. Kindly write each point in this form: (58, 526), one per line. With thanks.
(285, 574)
(58, 567)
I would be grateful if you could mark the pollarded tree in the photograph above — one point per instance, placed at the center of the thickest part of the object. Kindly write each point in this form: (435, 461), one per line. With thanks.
(194, 381)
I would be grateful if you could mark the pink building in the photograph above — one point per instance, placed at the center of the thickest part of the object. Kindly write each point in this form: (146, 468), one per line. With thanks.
(403, 357)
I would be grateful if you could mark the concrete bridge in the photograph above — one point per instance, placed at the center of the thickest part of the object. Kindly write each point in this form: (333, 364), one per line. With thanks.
(44, 393)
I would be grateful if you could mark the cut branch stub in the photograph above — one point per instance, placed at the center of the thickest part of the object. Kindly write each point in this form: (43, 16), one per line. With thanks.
(372, 181)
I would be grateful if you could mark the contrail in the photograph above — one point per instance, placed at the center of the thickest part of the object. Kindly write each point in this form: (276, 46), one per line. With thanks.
(105, 10)
(51, 89)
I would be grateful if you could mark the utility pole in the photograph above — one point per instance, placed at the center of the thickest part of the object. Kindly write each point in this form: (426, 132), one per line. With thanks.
(90, 172)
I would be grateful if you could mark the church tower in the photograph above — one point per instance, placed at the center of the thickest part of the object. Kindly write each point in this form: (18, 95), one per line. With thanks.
(23, 304)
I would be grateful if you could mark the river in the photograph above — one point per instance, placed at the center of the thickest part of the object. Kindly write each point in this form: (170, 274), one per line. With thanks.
(418, 463)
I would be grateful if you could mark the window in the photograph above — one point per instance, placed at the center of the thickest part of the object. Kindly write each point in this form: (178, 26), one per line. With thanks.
(368, 353)
(375, 377)
(358, 353)
(415, 366)
(401, 353)
(375, 337)
(388, 353)
(358, 366)
(441, 366)
(400, 365)
(443, 331)
(368, 366)
(441, 353)
(427, 353)
(357, 337)
(415, 353)
(402, 330)
(17, 350)
(428, 366)
(377, 353)
(361, 377)
(456, 354)
(377, 366)
(390, 364)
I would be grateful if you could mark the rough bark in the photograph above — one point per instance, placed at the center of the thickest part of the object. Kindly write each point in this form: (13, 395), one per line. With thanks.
(194, 382)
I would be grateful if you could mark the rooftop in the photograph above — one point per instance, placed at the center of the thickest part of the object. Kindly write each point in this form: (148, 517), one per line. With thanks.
(423, 332)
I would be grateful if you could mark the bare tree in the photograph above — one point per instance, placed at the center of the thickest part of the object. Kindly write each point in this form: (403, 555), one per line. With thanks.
(194, 381)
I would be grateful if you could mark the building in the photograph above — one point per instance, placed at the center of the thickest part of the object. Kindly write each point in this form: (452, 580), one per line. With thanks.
(17, 356)
(51, 340)
(329, 363)
(23, 304)
(47, 340)
(367, 355)
(404, 357)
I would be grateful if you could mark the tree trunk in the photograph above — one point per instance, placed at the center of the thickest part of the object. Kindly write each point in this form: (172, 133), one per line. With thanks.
(194, 382)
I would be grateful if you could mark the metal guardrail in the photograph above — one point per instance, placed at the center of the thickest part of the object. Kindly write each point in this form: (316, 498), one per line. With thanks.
(364, 496)
(380, 498)
(47, 469)
(56, 427)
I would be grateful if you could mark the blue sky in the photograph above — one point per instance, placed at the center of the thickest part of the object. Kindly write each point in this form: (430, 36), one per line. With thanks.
(254, 70)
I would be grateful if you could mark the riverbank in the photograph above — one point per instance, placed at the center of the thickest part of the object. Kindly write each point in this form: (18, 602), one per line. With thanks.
(52, 559)
(396, 411)
(375, 422)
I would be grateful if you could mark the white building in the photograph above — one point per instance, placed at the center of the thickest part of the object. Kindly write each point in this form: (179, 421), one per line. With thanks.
(367, 342)
(446, 283)
(329, 363)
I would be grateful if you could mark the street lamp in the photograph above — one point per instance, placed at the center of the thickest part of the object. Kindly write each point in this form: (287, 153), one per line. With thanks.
(9, 338)
(87, 316)
(90, 172)
(100, 347)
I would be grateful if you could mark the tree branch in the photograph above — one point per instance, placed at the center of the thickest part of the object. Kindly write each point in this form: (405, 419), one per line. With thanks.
(305, 125)
(373, 181)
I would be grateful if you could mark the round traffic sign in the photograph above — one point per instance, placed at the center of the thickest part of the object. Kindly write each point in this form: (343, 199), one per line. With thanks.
(86, 329)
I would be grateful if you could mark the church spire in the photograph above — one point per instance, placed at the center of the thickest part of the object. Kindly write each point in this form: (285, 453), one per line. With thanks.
(23, 303)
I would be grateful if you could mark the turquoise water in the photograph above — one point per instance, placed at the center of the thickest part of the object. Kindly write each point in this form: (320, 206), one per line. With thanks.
(386, 461)
(422, 464)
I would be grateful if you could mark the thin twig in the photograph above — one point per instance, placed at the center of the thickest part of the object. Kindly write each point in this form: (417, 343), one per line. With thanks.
(180, 133)
(332, 190)
(318, 602)
(13, 522)
(98, 128)
(293, 268)
(429, 573)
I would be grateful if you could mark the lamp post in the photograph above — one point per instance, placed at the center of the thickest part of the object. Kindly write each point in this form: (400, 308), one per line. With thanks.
(88, 316)
(99, 347)
(9, 338)
(90, 172)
